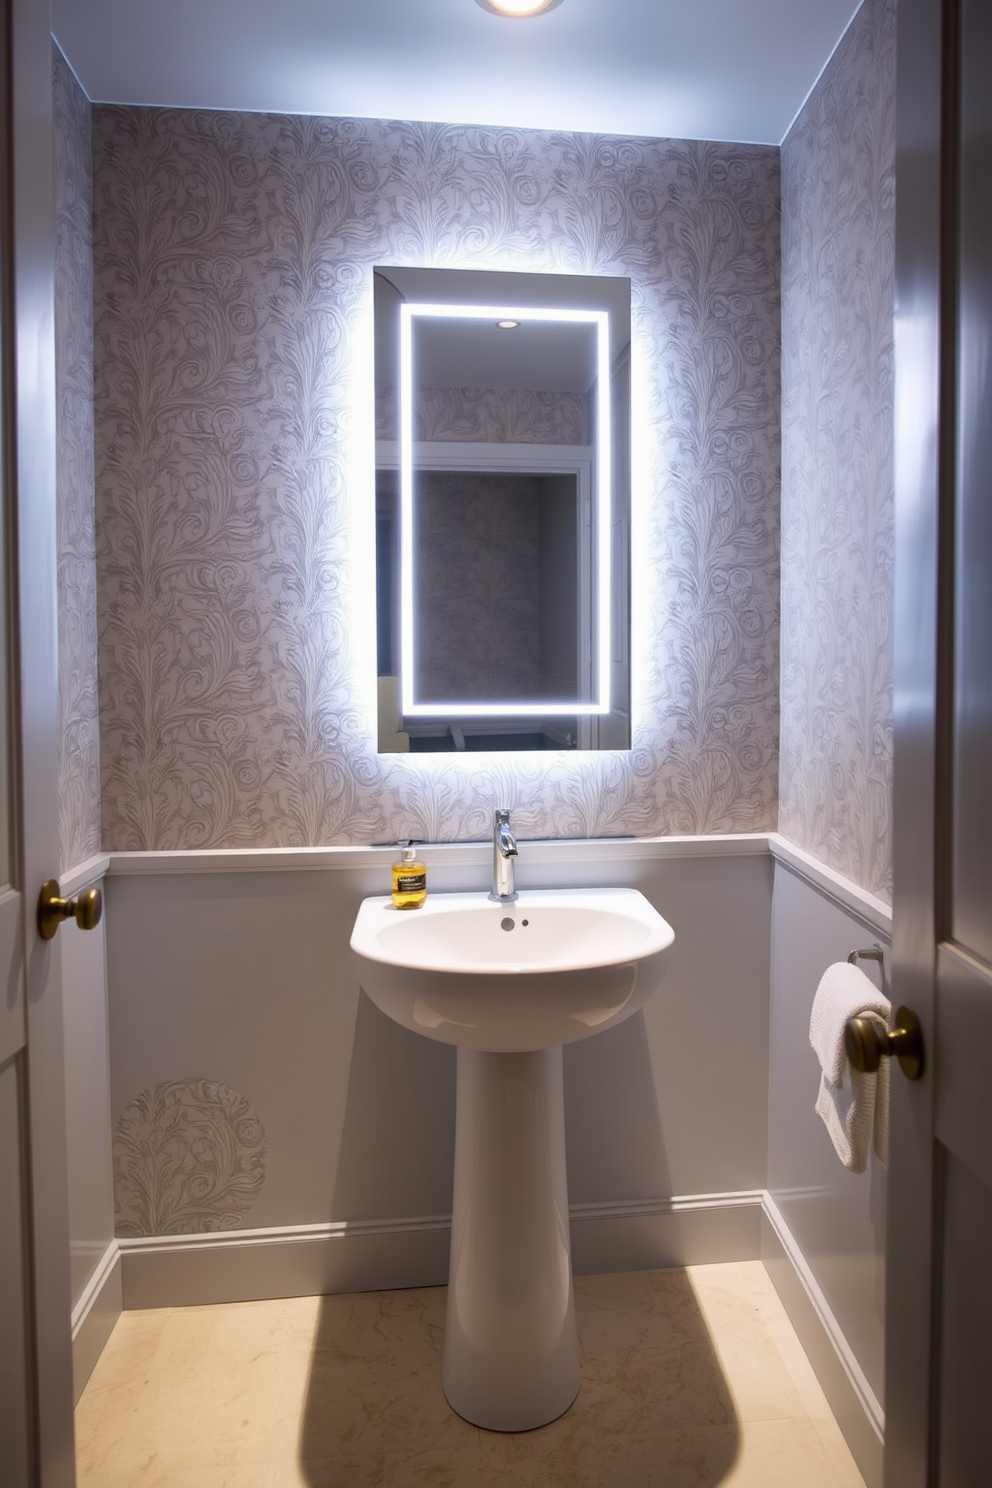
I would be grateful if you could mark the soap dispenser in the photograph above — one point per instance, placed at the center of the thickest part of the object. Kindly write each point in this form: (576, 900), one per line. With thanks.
(409, 880)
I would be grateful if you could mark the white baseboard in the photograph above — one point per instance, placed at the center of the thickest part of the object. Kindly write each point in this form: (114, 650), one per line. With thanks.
(852, 1400)
(94, 1316)
(686, 1230)
(310, 1260)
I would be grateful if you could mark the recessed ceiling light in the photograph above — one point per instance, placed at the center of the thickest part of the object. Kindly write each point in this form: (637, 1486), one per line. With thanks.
(507, 325)
(519, 9)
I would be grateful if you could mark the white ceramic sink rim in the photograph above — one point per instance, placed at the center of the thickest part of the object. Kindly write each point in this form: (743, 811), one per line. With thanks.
(555, 966)
(572, 930)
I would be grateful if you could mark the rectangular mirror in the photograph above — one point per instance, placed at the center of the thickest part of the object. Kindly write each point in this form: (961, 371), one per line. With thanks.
(502, 510)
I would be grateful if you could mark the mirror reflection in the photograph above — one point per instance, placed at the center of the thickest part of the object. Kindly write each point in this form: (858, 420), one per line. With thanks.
(502, 502)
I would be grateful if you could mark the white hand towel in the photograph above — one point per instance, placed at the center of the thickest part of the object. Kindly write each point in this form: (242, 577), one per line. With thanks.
(848, 1110)
(881, 1127)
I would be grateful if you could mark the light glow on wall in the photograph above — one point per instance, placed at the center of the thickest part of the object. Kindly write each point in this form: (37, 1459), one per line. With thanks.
(601, 702)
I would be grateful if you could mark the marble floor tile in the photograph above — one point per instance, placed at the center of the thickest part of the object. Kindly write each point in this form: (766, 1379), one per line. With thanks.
(690, 1378)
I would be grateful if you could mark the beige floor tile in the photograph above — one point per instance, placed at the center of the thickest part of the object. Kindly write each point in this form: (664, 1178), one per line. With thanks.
(765, 1454)
(630, 1312)
(838, 1451)
(688, 1378)
(584, 1458)
(756, 1375)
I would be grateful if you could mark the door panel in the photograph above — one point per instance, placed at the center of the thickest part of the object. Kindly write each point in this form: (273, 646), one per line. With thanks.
(939, 1299)
(12, 1031)
(36, 1444)
(971, 919)
(14, 1417)
(965, 1339)
(962, 1039)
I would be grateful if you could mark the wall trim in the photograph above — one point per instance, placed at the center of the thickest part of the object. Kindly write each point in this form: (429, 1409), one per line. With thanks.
(373, 1255)
(876, 914)
(89, 871)
(439, 854)
(94, 1315)
(544, 852)
(856, 1377)
(90, 1294)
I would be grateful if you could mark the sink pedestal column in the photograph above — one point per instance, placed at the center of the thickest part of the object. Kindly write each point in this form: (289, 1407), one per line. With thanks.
(511, 1355)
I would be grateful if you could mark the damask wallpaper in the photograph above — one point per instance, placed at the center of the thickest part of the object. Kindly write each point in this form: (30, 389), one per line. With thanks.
(497, 415)
(79, 731)
(189, 1158)
(838, 250)
(235, 426)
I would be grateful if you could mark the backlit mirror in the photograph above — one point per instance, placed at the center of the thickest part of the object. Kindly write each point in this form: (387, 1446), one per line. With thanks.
(502, 510)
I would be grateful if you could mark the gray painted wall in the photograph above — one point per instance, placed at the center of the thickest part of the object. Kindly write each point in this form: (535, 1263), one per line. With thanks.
(253, 1085)
(837, 1217)
(91, 1199)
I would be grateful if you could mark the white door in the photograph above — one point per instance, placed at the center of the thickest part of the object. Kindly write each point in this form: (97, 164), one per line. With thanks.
(36, 1441)
(939, 1287)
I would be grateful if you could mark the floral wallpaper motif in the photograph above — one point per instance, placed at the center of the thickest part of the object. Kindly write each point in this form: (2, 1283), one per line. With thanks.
(189, 1157)
(79, 732)
(235, 425)
(837, 480)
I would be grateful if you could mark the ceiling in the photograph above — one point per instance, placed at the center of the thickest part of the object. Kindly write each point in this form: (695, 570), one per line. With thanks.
(680, 69)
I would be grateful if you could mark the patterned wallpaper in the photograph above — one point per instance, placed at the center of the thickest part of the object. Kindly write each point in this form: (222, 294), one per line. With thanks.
(189, 1157)
(837, 473)
(235, 423)
(495, 415)
(79, 733)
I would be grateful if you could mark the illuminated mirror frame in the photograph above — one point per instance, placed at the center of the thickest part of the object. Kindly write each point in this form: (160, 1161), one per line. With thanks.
(602, 567)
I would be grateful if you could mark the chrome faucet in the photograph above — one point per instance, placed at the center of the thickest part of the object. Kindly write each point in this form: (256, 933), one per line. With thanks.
(504, 852)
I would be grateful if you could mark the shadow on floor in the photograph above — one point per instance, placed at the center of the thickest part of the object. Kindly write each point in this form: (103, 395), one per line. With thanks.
(654, 1406)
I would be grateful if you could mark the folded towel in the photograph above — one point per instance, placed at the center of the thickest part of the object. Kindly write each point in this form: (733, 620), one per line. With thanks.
(881, 1126)
(854, 1110)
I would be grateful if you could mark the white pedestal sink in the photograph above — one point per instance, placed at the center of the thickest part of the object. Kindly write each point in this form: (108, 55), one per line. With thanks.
(509, 984)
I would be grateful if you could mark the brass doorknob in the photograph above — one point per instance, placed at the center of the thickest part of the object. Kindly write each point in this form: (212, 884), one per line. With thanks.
(866, 1046)
(86, 909)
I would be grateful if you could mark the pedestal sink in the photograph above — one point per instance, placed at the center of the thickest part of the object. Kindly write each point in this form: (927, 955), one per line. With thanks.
(509, 984)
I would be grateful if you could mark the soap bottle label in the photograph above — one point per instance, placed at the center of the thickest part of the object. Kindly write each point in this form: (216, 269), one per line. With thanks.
(411, 883)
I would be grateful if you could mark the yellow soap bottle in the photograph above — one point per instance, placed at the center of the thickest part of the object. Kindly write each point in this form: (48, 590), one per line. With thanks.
(409, 880)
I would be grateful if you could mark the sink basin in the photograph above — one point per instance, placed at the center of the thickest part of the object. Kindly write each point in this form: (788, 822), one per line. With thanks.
(509, 984)
(555, 966)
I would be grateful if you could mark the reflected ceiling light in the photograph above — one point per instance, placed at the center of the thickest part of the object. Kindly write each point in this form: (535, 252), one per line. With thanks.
(519, 9)
(507, 325)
